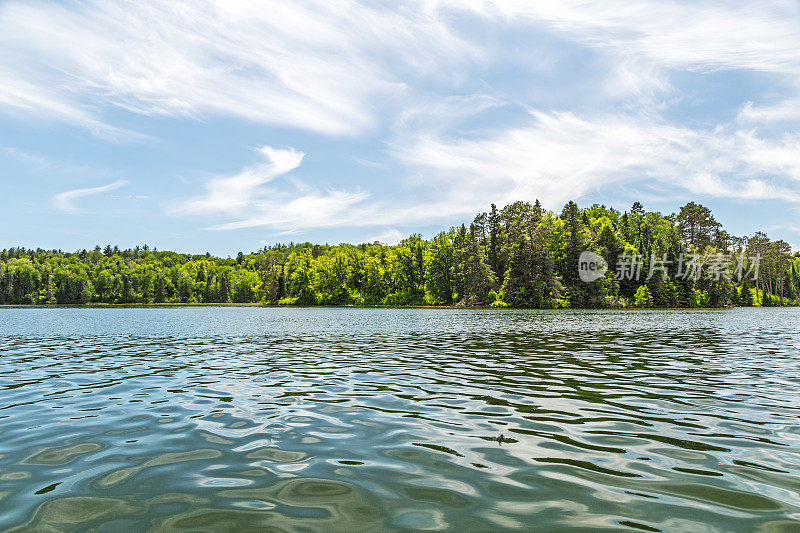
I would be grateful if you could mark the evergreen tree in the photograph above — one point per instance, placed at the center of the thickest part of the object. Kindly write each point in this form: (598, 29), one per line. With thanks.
(160, 292)
(533, 251)
(494, 242)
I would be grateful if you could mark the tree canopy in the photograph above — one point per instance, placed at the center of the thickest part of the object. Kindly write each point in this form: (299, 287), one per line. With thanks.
(521, 256)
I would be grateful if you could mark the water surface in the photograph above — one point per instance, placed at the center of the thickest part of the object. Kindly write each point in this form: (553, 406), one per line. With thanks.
(236, 419)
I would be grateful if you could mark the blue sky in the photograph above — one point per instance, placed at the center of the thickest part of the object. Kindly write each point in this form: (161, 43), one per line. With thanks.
(223, 126)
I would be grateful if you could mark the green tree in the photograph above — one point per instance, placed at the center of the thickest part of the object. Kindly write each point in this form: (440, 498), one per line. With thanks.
(439, 270)
(696, 225)
(643, 298)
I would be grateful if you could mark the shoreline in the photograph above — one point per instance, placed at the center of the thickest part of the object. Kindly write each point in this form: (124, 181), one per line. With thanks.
(376, 306)
(236, 304)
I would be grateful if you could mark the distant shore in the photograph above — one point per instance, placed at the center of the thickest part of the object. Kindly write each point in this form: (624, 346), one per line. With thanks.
(100, 305)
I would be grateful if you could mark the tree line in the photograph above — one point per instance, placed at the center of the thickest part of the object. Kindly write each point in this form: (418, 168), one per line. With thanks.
(519, 256)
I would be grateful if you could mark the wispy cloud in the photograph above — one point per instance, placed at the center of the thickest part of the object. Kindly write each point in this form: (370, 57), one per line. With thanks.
(784, 111)
(390, 236)
(41, 163)
(560, 156)
(40, 97)
(35, 161)
(289, 211)
(340, 68)
(553, 157)
(314, 65)
(238, 192)
(706, 34)
(642, 44)
(250, 196)
(397, 74)
(267, 195)
(64, 200)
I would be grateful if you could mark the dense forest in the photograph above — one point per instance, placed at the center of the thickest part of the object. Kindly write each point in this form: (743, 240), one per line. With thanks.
(519, 256)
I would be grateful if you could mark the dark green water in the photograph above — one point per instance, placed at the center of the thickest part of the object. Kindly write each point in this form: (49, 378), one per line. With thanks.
(237, 419)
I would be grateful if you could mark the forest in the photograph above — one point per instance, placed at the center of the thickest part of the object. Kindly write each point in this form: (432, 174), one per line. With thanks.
(519, 256)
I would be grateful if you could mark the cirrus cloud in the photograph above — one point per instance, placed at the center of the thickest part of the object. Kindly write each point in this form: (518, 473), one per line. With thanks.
(64, 200)
(560, 156)
(313, 65)
(448, 104)
(250, 196)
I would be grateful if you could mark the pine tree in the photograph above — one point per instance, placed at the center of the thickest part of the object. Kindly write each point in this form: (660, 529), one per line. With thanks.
(494, 241)
(160, 292)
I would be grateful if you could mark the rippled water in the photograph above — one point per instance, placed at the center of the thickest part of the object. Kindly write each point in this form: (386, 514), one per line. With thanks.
(231, 419)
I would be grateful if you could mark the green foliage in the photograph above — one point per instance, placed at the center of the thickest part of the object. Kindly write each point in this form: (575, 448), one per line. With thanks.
(643, 298)
(700, 298)
(439, 269)
(519, 256)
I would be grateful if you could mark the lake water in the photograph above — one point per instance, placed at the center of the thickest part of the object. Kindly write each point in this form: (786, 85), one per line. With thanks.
(236, 419)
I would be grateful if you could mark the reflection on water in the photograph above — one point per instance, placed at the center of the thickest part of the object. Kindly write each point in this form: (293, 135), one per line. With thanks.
(230, 419)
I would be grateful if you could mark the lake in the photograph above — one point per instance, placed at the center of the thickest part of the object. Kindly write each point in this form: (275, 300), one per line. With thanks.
(323, 419)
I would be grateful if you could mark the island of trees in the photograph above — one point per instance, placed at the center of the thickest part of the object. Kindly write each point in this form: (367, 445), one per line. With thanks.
(519, 256)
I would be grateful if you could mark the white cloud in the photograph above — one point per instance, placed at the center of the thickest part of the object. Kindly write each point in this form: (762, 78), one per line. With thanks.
(283, 210)
(232, 194)
(554, 157)
(704, 34)
(642, 44)
(314, 65)
(250, 196)
(784, 111)
(267, 195)
(341, 68)
(780, 158)
(64, 200)
(41, 99)
(560, 156)
(391, 237)
(351, 67)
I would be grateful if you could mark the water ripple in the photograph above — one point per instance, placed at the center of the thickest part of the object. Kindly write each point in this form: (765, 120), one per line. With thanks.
(228, 419)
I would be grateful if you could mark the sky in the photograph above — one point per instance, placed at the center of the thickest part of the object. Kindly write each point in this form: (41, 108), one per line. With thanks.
(224, 126)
